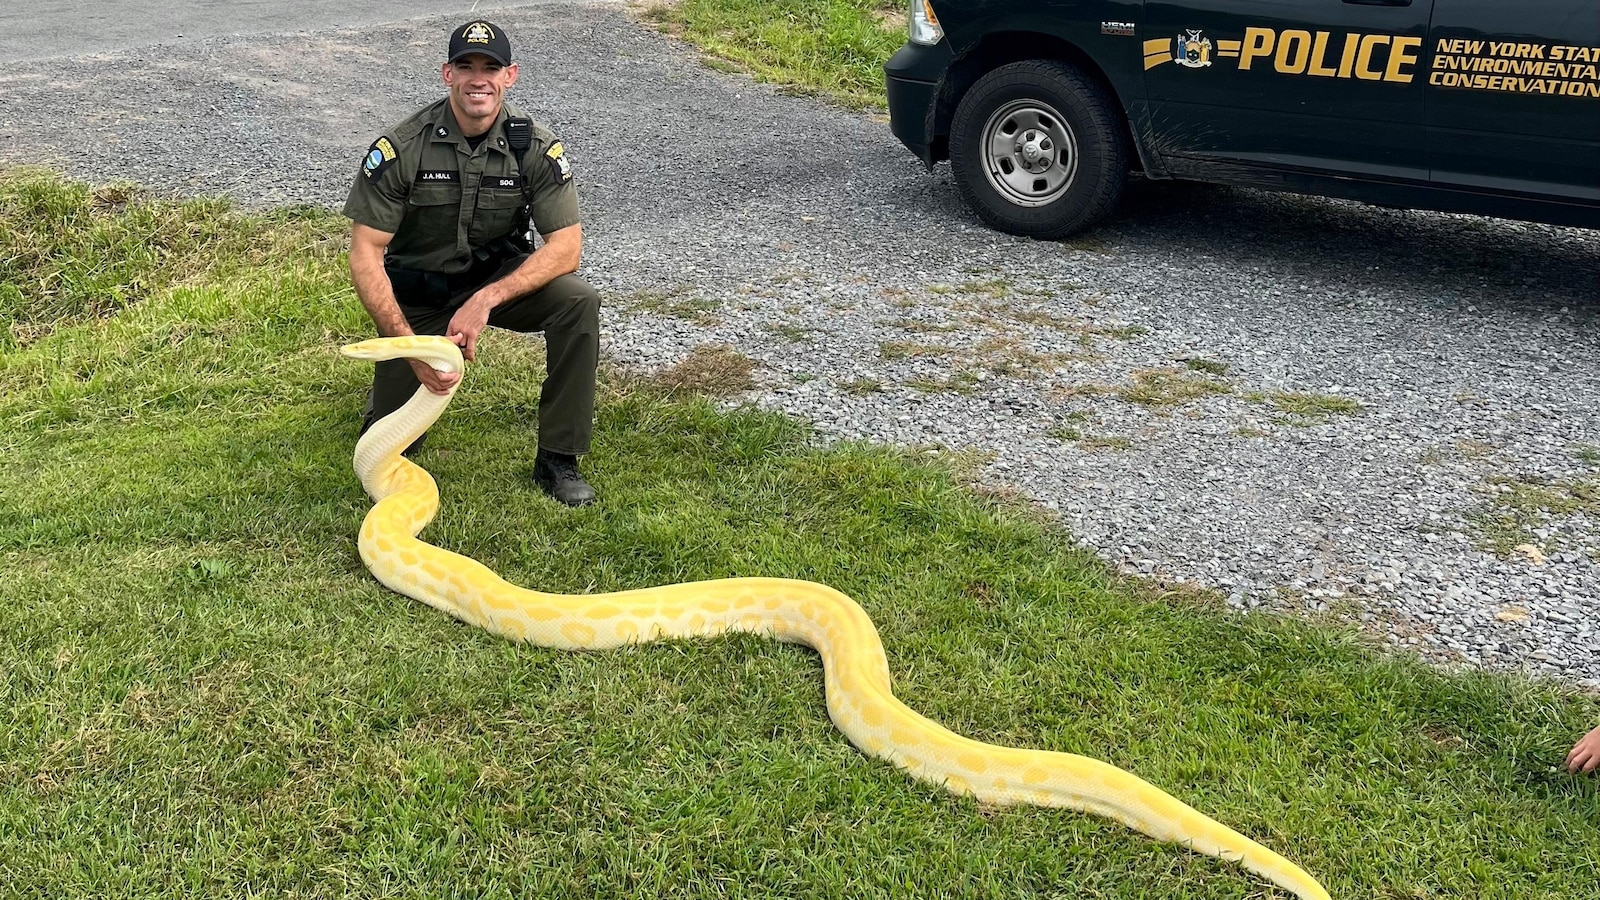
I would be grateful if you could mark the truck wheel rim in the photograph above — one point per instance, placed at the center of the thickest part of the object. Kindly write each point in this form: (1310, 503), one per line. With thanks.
(1030, 154)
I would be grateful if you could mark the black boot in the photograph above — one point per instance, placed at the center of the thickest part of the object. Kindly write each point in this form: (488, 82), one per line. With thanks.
(557, 475)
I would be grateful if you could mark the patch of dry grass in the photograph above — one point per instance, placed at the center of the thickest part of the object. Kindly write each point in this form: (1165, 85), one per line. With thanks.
(715, 370)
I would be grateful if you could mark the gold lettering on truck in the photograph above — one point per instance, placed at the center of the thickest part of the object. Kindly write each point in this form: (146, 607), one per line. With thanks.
(1517, 67)
(1323, 54)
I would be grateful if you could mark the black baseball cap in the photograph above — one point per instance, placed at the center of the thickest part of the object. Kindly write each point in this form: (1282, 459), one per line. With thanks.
(480, 37)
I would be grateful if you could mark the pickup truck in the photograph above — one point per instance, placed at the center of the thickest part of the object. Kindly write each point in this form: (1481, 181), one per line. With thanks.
(1044, 107)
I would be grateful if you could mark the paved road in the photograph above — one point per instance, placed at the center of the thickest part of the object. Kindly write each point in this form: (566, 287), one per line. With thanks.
(77, 27)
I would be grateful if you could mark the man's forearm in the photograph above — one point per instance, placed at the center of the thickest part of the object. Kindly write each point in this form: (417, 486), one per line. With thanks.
(377, 293)
(545, 265)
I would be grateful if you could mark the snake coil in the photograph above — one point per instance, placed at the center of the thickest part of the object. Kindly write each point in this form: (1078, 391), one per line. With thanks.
(856, 671)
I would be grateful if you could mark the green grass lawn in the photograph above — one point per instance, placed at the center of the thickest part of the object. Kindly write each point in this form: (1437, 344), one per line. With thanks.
(204, 694)
(833, 48)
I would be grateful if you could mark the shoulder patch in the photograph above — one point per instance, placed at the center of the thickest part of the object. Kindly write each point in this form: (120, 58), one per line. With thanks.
(379, 157)
(559, 164)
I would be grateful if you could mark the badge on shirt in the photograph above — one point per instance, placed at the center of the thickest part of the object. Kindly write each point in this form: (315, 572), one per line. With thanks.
(559, 163)
(379, 157)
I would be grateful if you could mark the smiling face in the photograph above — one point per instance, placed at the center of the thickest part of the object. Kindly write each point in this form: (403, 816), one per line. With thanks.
(477, 85)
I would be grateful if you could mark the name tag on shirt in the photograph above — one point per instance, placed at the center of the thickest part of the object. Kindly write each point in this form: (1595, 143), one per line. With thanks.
(427, 177)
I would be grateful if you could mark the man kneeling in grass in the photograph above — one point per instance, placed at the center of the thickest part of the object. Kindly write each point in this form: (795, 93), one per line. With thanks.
(442, 207)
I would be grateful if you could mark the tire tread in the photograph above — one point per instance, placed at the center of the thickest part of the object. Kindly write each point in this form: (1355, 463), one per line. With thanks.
(1097, 111)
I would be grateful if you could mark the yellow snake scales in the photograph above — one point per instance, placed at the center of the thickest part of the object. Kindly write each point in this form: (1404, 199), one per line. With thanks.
(856, 671)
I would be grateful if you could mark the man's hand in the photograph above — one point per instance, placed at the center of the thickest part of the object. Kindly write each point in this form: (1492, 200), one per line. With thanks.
(1585, 756)
(433, 379)
(469, 321)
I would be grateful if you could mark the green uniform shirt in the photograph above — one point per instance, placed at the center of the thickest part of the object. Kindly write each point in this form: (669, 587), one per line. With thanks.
(442, 200)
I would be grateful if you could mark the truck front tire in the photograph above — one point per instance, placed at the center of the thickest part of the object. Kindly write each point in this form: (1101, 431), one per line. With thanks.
(1038, 149)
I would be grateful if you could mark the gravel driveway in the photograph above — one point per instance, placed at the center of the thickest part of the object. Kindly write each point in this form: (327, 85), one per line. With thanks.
(1308, 405)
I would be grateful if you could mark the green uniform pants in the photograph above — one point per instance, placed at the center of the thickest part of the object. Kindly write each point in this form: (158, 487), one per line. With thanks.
(567, 310)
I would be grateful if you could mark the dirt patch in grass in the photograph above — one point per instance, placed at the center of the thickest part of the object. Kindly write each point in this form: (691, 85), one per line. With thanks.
(716, 370)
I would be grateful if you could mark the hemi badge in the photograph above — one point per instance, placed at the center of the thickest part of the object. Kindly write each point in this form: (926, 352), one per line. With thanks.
(1121, 29)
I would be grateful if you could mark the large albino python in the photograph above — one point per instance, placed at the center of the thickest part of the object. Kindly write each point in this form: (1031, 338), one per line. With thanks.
(855, 668)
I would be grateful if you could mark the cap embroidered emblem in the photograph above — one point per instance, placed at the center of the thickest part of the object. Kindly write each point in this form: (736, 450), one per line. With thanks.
(478, 33)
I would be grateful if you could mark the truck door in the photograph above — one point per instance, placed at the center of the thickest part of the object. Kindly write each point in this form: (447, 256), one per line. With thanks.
(1513, 97)
(1320, 85)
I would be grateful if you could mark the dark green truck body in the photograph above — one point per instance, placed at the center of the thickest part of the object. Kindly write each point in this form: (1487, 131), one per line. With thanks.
(1480, 106)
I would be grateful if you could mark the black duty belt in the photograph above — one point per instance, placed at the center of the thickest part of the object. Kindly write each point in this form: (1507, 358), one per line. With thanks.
(433, 290)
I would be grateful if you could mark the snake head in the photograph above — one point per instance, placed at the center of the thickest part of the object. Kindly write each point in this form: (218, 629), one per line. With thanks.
(439, 352)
